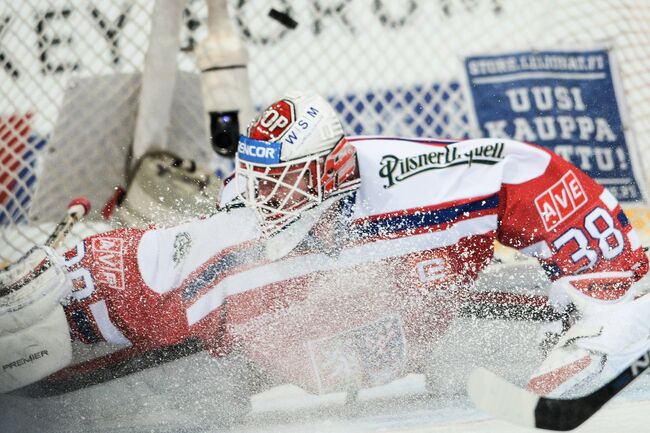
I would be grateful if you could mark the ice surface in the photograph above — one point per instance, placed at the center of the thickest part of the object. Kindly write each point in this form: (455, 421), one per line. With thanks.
(399, 411)
(142, 403)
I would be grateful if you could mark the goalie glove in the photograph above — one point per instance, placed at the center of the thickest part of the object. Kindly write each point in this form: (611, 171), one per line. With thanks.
(34, 333)
(605, 336)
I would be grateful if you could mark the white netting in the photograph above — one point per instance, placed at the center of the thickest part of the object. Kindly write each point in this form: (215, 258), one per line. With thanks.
(68, 103)
(389, 67)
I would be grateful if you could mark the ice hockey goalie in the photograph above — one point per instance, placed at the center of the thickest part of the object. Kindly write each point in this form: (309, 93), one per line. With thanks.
(336, 261)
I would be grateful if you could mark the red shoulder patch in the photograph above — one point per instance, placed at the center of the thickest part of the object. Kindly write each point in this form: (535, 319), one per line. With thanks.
(560, 201)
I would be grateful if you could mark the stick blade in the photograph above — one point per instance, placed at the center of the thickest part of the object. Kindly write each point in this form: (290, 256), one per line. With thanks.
(501, 399)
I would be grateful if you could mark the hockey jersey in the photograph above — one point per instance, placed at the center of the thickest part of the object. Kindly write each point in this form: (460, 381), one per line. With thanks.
(369, 279)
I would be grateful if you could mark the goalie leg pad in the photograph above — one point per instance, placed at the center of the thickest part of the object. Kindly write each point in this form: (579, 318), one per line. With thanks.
(33, 353)
(595, 348)
(31, 288)
(564, 370)
(34, 333)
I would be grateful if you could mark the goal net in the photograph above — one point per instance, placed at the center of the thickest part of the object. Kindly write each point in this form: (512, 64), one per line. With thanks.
(572, 74)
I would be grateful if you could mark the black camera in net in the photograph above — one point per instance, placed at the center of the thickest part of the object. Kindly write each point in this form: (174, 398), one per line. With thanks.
(224, 132)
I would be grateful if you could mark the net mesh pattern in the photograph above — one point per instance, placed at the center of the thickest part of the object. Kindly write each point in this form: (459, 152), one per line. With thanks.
(71, 78)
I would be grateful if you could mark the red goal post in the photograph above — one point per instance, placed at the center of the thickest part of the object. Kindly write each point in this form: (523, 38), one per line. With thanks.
(72, 73)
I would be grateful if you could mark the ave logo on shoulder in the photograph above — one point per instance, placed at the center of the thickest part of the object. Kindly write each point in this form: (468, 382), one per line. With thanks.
(560, 201)
(273, 122)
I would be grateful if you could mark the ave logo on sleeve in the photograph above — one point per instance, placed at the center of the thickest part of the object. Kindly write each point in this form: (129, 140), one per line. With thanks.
(560, 201)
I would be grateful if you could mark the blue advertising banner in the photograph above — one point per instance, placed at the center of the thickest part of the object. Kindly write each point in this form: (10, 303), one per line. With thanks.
(565, 101)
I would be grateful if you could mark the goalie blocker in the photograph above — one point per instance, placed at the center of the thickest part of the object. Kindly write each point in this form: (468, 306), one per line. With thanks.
(34, 333)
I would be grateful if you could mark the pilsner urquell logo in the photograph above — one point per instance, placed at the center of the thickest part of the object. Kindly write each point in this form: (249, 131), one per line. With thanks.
(395, 170)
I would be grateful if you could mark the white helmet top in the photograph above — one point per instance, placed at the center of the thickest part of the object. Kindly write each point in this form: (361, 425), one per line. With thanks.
(303, 124)
(293, 157)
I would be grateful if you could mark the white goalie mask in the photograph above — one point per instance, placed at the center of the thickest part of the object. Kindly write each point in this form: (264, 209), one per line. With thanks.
(293, 157)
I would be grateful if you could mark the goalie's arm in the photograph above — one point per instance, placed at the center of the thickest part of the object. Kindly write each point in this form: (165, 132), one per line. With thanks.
(587, 246)
(590, 234)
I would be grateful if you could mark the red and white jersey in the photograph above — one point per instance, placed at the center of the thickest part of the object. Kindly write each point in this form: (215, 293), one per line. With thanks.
(383, 271)
(529, 198)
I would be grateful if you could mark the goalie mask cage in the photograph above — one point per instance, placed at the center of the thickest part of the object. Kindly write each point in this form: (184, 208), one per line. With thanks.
(72, 73)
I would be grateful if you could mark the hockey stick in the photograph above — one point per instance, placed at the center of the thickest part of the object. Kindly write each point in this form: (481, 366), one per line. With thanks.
(78, 208)
(502, 399)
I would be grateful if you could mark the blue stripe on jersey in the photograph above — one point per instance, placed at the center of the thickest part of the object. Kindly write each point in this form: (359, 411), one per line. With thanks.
(622, 218)
(425, 219)
(84, 326)
(213, 272)
(346, 204)
(208, 276)
(552, 270)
